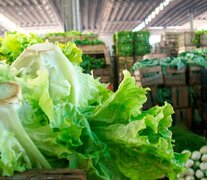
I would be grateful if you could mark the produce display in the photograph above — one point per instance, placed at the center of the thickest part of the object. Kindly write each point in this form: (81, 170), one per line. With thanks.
(198, 37)
(130, 43)
(123, 41)
(69, 119)
(196, 166)
(13, 43)
(88, 42)
(141, 43)
(89, 63)
(196, 57)
(70, 33)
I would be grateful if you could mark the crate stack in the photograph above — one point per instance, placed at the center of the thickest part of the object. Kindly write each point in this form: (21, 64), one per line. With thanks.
(124, 52)
(203, 40)
(179, 87)
(150, 77)
(171, 43)
(175, 79)
(141, 44)
(65, 37)
(168, 44)
(186, 41)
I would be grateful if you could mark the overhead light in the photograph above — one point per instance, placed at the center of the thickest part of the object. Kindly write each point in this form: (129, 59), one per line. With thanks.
(161, 6)
(157, 27)
(174, 27)
(157, 10)
(153, 14)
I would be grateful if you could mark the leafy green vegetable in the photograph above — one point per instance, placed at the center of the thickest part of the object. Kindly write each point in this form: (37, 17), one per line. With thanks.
(71, 52)
(76, 122)
(18, 152)
(89, 63)
(14, 43)
(88, 42)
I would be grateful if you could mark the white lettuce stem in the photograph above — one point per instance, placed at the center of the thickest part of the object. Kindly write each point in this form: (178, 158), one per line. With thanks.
(9, 116)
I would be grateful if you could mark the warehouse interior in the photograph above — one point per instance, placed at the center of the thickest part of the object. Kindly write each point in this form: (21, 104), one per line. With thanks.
(103, 89)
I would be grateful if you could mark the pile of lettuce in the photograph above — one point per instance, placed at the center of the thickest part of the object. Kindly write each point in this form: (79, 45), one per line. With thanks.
(13, 43)
(74, 121)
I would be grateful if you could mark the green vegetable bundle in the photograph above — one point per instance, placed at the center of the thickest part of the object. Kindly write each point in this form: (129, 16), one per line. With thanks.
(74, 121)
(14, 43)
(124, 37)
(89, 63)
(125, 49)
(141, 43)
(88, 42)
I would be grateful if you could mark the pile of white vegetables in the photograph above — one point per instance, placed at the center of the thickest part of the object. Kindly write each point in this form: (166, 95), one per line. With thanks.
(196, 166)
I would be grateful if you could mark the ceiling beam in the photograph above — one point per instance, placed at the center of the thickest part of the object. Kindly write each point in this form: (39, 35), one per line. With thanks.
(107, 11)
(184, 13)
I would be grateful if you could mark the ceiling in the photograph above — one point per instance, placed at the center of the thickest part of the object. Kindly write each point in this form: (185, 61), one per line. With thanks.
(101, 16)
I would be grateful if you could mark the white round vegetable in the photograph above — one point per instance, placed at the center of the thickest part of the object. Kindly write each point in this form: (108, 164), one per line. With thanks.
(196, 155)
(203, 166)
(204, 158)
(189, 163)
(199, 174)
(189, 172)
(189, 178)
(203, 150)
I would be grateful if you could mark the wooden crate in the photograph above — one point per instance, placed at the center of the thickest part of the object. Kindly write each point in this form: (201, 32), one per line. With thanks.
(89, 37)
(194, 75)
(195, 98)
(180, 97)
(183, 117)
(138, 58)
(185, 48)
(203, 40)
(125, 62)
(53, 174)
(54, 39)
(105, 74)
(171, 36)
(203, 47)
(155, 56)
(175, 77)
(152, 98)
(149, 76)
(187, 39)
(72, 38)
(96, 49)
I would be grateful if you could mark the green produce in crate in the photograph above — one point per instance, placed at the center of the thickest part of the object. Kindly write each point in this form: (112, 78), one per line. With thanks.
(125, 49)
(88, 42)
(89, 63)
(76, 122)
(124, 37)
(14, 43)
